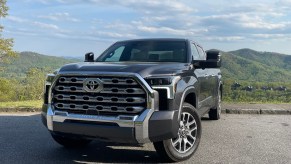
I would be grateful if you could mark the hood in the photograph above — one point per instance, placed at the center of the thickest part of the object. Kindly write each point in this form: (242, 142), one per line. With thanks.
(144, 69)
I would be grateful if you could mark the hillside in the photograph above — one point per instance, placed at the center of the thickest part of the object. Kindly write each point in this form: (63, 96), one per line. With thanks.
(240, 65)
(250, 65)
(26, 60)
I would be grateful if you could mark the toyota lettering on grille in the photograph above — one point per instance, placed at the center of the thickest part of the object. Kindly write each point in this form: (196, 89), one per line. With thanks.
(93, 85)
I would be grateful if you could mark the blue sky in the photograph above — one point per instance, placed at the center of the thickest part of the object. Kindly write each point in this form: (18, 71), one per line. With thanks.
(74, 27)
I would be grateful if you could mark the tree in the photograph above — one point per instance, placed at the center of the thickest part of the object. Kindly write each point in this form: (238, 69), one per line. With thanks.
(7, 91)
(34, 83)
(6, 45)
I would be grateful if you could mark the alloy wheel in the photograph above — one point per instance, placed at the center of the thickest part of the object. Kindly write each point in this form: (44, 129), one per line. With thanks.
(187, 133)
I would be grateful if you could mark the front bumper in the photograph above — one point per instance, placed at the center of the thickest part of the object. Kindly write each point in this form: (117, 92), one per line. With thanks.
(150, 126)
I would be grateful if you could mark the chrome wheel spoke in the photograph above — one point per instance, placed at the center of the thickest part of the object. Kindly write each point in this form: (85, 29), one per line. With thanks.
(189, 143)
(190, 123)
(191, 130)
(188, 117)
(180, 145)
(185, 144)
(192, 137)
(183, 117)
(179, 140)
(186, 133)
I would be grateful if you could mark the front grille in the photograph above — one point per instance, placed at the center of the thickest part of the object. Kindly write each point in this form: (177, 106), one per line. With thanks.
(119, 95)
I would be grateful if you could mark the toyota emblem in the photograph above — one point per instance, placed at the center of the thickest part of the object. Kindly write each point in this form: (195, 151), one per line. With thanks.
(93, 85)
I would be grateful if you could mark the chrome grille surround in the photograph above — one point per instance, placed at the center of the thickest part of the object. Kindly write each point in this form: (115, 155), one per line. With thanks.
(120, 95)
(140, 122)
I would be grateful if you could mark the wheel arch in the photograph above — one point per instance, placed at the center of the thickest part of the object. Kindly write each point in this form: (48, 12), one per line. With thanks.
(189, 95)
(191, 99)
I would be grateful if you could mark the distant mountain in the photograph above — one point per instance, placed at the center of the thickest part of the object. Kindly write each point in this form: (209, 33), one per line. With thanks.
(19, 66)
(240, 65)
(250, 65)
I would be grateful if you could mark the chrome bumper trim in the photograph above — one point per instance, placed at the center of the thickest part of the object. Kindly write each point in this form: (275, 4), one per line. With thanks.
(139, 122)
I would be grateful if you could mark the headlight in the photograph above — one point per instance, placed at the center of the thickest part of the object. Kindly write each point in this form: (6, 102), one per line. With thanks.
(56, 71)
(48, 82)
(50, 78)
(159, 81)
(167, 83)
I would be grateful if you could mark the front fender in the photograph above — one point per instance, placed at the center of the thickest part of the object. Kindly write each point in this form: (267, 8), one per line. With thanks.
(185, 86)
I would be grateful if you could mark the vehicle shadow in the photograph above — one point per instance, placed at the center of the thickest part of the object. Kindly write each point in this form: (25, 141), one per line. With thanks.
(25, 139)
(205, 118)
(103, 152)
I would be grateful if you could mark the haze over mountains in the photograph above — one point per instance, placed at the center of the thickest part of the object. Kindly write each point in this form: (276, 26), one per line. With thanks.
(240, 65)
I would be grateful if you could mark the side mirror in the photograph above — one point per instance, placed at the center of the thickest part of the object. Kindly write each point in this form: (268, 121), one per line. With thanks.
(213, 59)
(89, 57)
(200, 64)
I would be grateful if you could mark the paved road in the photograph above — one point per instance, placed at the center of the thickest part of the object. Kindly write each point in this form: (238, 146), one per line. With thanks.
(233, 139)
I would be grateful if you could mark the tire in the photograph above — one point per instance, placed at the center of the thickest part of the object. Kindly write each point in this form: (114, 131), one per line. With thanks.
(176, 149)
(214, 114)
(70, 142)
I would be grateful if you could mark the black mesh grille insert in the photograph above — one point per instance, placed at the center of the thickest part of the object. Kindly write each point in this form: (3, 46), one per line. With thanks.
(99, 95)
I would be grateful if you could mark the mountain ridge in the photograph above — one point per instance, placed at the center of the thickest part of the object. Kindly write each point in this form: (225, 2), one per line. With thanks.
(251, 65)
(17, 67)
(239, 65)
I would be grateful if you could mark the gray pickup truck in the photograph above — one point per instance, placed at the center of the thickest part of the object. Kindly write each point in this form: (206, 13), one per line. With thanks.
(136, 91)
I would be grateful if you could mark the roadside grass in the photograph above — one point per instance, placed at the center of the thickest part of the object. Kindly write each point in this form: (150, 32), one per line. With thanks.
(23, 104)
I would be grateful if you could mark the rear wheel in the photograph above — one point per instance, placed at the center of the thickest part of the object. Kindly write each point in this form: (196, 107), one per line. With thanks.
(70, 142)
(214, 114)
(186, 143)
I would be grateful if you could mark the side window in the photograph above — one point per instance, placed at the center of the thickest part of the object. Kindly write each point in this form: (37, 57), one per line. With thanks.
(115, 55)
(194, 51)
(201, 53)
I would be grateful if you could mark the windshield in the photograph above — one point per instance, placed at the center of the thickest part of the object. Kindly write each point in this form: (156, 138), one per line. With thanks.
(146, 51)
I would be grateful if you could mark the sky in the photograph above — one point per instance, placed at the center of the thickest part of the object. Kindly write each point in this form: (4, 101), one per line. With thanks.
(74, 27)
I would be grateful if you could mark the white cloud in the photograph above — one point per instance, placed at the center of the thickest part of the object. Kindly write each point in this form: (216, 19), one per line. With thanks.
(257, 22)
(271, 36)
(210, 21)
(112, 34)
(157, 6)
(16, 19)
(284, 2)
(46, 25)
(224, 38)
(169, 31)
(59, 17)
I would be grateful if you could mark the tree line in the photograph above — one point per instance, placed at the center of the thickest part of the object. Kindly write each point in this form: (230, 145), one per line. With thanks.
(31, 87)
(252, 91)
(28, 88)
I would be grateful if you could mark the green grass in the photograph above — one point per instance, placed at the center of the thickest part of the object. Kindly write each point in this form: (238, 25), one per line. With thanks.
(17, 104)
